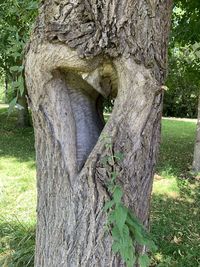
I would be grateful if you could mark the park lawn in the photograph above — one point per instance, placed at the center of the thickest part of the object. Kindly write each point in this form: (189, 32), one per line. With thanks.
(17, 193)
(175, 199)
(175, 217)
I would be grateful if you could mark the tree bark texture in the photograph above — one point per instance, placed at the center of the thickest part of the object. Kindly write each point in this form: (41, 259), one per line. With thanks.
(196, 158)
(81, 51)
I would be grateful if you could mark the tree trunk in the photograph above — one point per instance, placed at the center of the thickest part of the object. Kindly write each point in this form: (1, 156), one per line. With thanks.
(196, 158)
(23, 119)
(78, 53)
(6, 88)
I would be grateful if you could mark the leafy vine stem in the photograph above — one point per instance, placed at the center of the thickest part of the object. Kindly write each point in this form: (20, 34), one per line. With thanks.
(125, 228)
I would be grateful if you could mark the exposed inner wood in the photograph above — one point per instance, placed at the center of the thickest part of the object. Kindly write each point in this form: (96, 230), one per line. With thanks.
(87, 111)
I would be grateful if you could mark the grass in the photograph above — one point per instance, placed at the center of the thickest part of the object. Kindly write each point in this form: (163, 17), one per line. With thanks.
(17, 193)
(175, 201)
(175, 213)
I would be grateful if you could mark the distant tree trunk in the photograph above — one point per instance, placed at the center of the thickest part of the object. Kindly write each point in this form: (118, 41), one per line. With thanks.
(6, 88)
(196, 158)
(23, 118)
(79, 52)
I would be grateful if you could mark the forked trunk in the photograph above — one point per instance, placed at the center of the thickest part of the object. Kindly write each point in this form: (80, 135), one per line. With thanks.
(79, 53)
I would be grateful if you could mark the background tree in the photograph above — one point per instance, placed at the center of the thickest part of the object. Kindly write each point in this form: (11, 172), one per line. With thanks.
(80, 52)
(181, 98)
(16, 18)
(183, 80)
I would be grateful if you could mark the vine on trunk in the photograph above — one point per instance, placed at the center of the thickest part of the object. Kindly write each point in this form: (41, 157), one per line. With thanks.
(126, 230)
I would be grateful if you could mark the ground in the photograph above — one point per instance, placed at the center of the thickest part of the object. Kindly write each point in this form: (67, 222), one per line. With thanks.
(175, 200)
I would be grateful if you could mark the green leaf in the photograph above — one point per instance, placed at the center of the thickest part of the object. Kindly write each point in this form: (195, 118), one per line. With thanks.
(108, 205)
(111, 161)
(111, 217)
(119, 156)
(126, 236)
(127, 252)
(12, 105)
(16, 68)
(139, 233)
(108, 145)
(131, 258)
(21, 84)
(114, 175)
(144, 261)
(117, 195)
(115, 247)
(151, 245)
(115, 233)
(134, 225)
(120, 214)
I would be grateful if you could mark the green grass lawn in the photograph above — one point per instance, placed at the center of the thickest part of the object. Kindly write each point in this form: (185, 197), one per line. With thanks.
(175, 218)
(17, 192)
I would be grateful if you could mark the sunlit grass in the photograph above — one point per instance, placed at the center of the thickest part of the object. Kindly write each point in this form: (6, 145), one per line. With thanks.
(17, 193)
(176, 199)
(17, 172)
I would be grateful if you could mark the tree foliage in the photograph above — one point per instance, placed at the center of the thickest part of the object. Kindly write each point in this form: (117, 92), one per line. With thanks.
(184, 62)
(183, 83)
(186, 22)
(16, 19)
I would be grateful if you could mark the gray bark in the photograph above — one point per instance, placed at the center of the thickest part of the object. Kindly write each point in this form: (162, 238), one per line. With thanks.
(80, 51)
(196, 157)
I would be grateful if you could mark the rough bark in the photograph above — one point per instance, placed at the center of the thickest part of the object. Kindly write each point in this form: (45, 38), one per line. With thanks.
(79, 52)
(196, 157)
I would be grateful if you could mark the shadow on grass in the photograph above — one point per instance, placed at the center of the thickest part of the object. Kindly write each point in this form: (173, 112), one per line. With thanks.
(15, 142)
(176, 228)
(17, 244)
(177, 146)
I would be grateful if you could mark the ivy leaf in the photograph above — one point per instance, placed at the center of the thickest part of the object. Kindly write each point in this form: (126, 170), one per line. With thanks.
(119, 156)
(115, 233)
(117, 195)
(131, 259)
(108, 205)
(144, 261)
(120, 214)
(111, 161)
(134, 225)
(12, 105)
(139, 233)
(140, 238)
(127, 252)
(111, 217)
(16, 68)
(151, 245)
(115, 247)
(21, 84)
(114, 175)
(108, 145)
